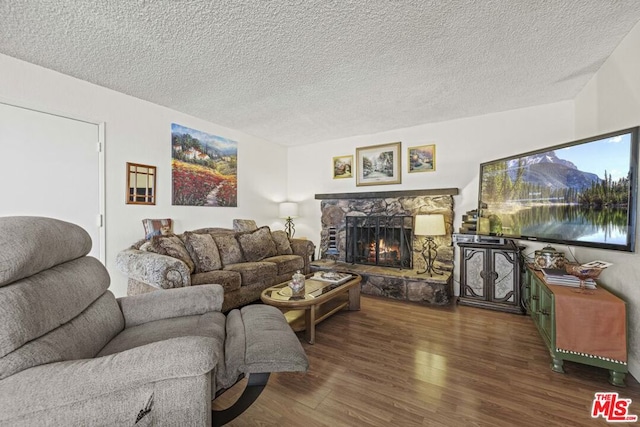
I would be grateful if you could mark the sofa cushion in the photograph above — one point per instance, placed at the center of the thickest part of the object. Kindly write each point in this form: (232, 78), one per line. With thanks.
(286, 263)
(229, 280)
(244, 225)
(213, 230)
(255, 272)
(257, 245)
(203, 251)
(229, 248)
(171, 246)
(281, 240)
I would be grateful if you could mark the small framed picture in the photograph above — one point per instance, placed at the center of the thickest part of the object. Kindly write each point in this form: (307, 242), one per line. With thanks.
(378, 164)
(343, 167)
(422, 158)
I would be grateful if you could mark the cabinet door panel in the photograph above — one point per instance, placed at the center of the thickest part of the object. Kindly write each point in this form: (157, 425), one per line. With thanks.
(474, 271)
(544, 314)
(535, 299)
(504, 265)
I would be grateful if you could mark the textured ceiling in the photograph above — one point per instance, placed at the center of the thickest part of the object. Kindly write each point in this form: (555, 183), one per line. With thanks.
(298, 72)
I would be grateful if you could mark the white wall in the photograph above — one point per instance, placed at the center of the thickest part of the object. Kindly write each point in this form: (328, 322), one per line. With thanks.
(611, 101)
(461, 145)
(140, 132)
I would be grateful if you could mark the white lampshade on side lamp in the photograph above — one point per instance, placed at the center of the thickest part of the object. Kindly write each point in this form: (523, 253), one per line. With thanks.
(429, 226)
(288, 211)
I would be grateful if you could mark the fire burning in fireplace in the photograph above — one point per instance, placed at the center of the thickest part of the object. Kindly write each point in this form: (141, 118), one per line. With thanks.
(386, 253)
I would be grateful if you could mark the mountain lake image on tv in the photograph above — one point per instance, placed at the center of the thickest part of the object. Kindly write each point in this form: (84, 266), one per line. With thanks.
(581, 193)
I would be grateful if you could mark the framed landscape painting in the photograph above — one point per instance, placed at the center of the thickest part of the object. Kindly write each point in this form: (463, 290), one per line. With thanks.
(378, 164)
(203, 168)
(343, 167)
(422, 158)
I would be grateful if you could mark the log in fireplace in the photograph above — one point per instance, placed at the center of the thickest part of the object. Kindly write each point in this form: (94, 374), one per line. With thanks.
(383, 240)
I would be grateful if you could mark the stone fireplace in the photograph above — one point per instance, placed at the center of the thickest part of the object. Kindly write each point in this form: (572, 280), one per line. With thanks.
(371, 234)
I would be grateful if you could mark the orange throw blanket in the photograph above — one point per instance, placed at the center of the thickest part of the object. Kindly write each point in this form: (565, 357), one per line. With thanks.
(590, 325)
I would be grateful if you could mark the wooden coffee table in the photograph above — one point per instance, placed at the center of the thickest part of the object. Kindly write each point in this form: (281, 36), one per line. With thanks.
(320, 300)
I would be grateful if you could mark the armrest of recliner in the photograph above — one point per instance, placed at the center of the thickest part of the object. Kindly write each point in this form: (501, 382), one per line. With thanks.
(159, 271)
(191, 301)
(63, 384)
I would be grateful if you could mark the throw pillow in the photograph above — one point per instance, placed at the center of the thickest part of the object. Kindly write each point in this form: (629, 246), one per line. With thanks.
(229, 248)
(244, 225)
(171, 246)
(157, 227)
(203, 251)
(281, 240)
(257, 245)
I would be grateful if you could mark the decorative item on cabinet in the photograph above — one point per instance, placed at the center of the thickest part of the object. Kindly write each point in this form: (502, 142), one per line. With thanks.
(469, 222)
(490, 276)
(548, 257)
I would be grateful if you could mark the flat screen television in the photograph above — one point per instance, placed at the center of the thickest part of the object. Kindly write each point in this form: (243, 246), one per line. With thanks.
(581, 193)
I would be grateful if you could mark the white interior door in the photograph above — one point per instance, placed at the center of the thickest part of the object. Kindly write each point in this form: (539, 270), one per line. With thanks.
(50, 166)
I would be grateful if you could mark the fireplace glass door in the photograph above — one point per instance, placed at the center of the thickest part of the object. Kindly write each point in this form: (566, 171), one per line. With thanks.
(380, 240)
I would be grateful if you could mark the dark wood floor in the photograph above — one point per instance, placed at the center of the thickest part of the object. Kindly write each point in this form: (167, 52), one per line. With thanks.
(403, 364)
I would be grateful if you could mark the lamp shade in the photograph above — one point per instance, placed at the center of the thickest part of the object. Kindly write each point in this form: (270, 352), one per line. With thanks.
(429, 225)
(288, 210)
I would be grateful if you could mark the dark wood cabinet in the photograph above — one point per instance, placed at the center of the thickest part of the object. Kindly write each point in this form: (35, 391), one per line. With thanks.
(490, 276)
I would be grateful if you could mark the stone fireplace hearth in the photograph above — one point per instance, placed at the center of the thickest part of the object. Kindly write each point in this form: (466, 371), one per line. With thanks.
(398, 279)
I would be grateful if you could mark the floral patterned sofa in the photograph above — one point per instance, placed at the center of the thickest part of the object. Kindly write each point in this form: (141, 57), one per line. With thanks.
(244, 263)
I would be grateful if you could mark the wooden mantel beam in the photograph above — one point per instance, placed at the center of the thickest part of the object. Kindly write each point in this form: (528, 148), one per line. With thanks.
(387, 194)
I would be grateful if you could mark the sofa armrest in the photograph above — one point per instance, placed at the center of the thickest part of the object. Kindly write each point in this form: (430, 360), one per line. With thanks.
(152, 306)
(306, 249)
(159, 271)
(31, 393)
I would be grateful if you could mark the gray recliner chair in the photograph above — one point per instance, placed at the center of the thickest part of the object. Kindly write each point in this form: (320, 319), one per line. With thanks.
(73, 354)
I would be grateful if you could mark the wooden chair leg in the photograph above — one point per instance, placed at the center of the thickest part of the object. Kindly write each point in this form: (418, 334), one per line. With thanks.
(255, 385)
